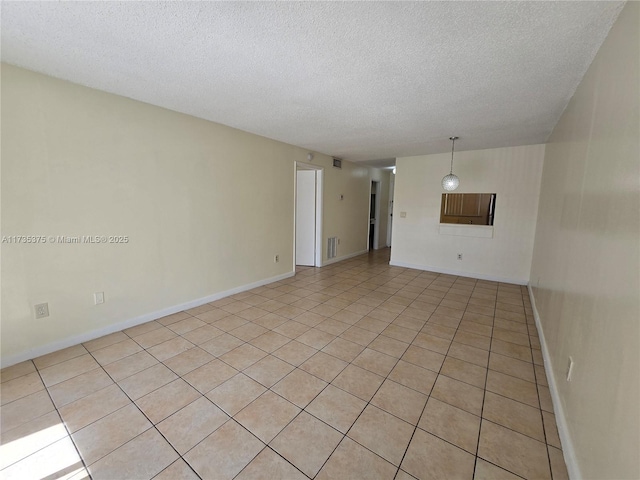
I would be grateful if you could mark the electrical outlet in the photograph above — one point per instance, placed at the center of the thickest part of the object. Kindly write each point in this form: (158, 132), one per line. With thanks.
(459, 256)
(98, 298)
(42, 310)
(569, 369)
(276, 258)
(403, 214)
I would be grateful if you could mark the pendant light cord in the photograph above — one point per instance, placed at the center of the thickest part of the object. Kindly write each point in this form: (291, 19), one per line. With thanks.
(453, 143)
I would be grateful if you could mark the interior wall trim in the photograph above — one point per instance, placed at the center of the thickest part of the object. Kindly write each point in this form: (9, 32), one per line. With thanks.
(344, 257)
(132, 322)
(568, 451)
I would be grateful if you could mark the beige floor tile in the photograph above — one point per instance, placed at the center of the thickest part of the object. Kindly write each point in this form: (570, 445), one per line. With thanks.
(143, 457)
(413, 376)
(475, 328)
(472, 339)
(440, 331)
(558, 465)
(514, 415)
(489, 471)
(236, 393)
(400, 401)
(248, 331)
(221, 344)
(270, 465)
(202, 335)
(551, 429)
(382, 433)
(359, 382)
(213, 315)
(200, 309)
(57, 460)
(209, 376)
(513, 388)
(359, 335)
(324, 366)
(402, 334)
(192, 424)
(511, 366)
(78, 387)
(541, 375)
(432, 343)
(291, 329)
(168, 399)
(294, 352)
(178, 470)
(224, 453)
(429, 457)
(307, 443)
(142, 328)
(389, 346)
(267, 416)
(271, 320)
(130, 365)
(68, 369)
(464, 371)
(115, 352)
(269, 370)
(375, 362)
(451, 424)
(188, 360)
(299, 387)
(519, 352)
(315, 338)
(351, 461)
(423, 358)
(154, 337)
(459, 394)
(513, 451)
(310, 319)
(109, 433)
(169, 319)
(270, 341)
(546, 403)
(17, 370)
(63, 355)
(343, 349)
(170, 348)
(20, 387)
(30, 437)
(243, 356)
(470, 354)
(186, 325)
(146, 381)
(336, 408)
(81, 413)
(25, 409)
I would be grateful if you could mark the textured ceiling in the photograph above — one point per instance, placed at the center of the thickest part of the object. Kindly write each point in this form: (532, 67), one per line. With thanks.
(358, 80)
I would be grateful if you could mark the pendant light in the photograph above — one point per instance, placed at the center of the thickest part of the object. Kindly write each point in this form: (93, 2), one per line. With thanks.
(450, 182)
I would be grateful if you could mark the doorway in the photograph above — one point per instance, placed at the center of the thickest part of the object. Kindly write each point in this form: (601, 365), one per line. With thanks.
(374, 216)
(308, 216)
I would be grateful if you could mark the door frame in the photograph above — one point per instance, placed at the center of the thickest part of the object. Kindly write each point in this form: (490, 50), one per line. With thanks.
(319, 182)
(376, 219)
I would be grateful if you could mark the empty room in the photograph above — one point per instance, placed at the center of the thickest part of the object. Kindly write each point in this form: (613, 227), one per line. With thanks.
(320, 240)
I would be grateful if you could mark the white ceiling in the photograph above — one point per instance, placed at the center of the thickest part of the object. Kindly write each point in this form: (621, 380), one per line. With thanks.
(358, 80)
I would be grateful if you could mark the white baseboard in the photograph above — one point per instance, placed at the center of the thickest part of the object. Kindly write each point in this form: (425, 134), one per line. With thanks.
(492, 278)
(132, 322)
(568, 450)
(344, 257)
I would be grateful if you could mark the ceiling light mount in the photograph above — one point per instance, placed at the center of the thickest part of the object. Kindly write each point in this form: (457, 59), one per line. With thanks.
(450, 182)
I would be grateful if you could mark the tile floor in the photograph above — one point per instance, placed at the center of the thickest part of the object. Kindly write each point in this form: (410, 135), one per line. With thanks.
(356, 370)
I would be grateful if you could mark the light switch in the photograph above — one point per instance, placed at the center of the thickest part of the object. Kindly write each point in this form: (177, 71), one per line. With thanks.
(403, 214)
(98, 298)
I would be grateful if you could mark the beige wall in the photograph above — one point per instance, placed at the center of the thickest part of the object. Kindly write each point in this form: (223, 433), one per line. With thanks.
(512, 173)
(586, 263)
(206, 207)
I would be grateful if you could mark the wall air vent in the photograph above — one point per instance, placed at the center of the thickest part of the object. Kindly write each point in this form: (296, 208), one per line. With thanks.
(337, 163)
(332, 247)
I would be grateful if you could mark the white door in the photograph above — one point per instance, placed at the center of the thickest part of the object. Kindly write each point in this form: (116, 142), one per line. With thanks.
(305, 217)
